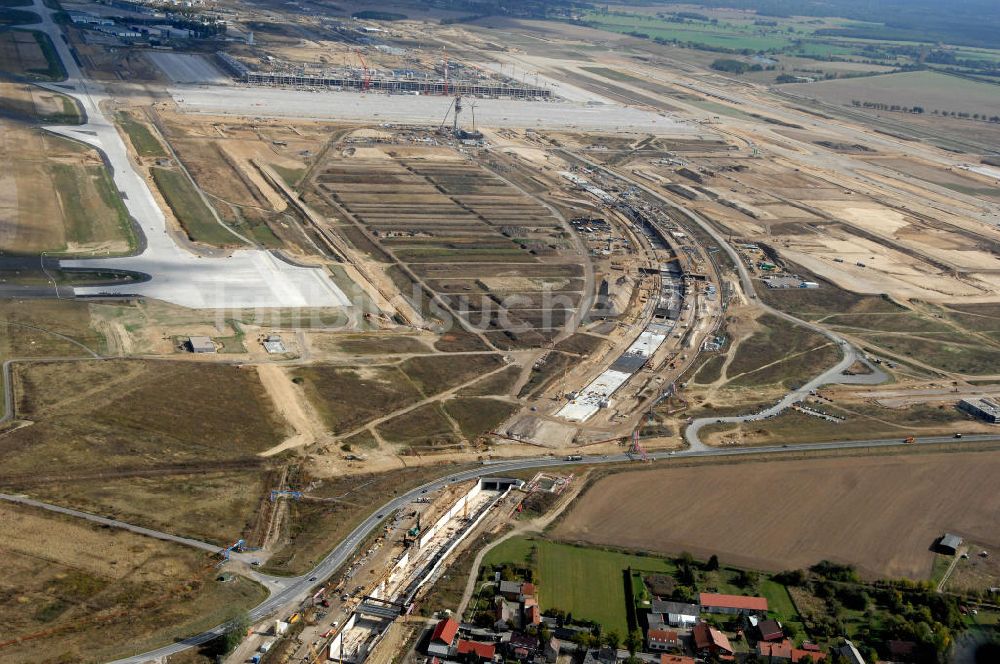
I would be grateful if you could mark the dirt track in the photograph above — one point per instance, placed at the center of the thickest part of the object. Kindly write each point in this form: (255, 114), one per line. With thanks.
(882, 513)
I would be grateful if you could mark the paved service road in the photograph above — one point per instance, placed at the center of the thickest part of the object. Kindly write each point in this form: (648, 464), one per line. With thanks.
(114, 523)
(298, 588)
(835, 374)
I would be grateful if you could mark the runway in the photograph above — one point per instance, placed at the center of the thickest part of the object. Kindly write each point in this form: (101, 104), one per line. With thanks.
(245, 279)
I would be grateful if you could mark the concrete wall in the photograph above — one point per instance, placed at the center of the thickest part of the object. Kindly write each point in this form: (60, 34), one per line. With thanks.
(447, 516)
(338, 639)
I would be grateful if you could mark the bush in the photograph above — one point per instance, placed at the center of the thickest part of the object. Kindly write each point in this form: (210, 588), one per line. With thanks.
(835, 571)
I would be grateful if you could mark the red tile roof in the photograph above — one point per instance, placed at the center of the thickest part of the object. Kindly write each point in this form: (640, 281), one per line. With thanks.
(798, 653)
(662, 635)
(534, 615)
(527, 589)
(482, 650)
(733, 602)
(445, 631)
(676, 659)
(706, 636)
(782, 649)
(785, 650)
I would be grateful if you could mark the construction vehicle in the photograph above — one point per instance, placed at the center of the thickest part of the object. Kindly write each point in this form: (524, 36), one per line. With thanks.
(909, 439)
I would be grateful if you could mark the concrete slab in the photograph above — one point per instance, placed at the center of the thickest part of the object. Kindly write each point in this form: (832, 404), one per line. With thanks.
(247, 278)
(422, 110)
(188, 68)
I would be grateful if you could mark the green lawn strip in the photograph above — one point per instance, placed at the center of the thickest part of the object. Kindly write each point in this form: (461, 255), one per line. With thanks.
(291, 176)
(190, 210)
(141, 137)
(109, 194)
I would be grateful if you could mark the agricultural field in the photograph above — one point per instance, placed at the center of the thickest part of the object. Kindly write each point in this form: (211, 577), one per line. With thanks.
(733, 36)
(933, 91)
(793, 514)
(108, 434)
(99, 594)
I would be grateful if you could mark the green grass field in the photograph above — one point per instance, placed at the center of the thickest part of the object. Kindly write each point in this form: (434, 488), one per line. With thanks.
(141, 137)
(94, 212)
(190, 210)
(54, 70)
(722, 35)
(589, 583)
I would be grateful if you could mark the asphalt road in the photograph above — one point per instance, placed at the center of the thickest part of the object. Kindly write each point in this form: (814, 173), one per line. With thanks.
(835, 374)
(176, 539)
(298, 588)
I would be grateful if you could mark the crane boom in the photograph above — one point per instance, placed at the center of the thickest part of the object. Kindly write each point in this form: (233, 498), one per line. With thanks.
(366, 79)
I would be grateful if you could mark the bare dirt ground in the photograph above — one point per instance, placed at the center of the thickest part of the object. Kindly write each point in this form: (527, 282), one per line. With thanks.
(291, 404)
(879, 513)
(96, 594)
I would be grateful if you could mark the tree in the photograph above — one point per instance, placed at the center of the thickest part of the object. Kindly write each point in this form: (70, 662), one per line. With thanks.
(236, 631)
(613, 639)
(712, 564)
(633, 642)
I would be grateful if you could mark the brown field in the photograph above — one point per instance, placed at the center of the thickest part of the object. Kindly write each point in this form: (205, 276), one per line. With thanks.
(931, 90)
(20, 52)
(341, 503)
(98, 594)
(881, 514)
(56, 195)
(120, 437)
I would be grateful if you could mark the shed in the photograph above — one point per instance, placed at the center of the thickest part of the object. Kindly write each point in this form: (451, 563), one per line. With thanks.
(949, 544)
(201, 344)
(770, 630)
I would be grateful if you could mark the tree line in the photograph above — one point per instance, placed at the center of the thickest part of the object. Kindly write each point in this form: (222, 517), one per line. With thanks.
(920, 110)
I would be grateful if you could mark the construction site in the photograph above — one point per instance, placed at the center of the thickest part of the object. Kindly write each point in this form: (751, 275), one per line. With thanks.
(366, 254)
(383, 583)
(393, 82)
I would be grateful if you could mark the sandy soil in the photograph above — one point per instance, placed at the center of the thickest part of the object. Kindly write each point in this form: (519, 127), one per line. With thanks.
(880, 513)
(292, 405)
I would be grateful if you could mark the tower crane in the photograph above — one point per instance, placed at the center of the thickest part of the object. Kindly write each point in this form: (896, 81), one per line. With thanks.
(366, 79)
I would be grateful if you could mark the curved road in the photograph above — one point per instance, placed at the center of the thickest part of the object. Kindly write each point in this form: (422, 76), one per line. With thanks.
(296, 589)
(835, 374)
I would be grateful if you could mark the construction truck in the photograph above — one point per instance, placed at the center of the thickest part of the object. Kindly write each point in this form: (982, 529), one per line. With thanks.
(909, 439)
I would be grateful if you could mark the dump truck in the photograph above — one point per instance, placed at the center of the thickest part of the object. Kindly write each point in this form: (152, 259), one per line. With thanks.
(909, 439)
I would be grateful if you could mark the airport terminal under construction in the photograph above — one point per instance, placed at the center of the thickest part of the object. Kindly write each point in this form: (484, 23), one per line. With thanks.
(403, 82)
